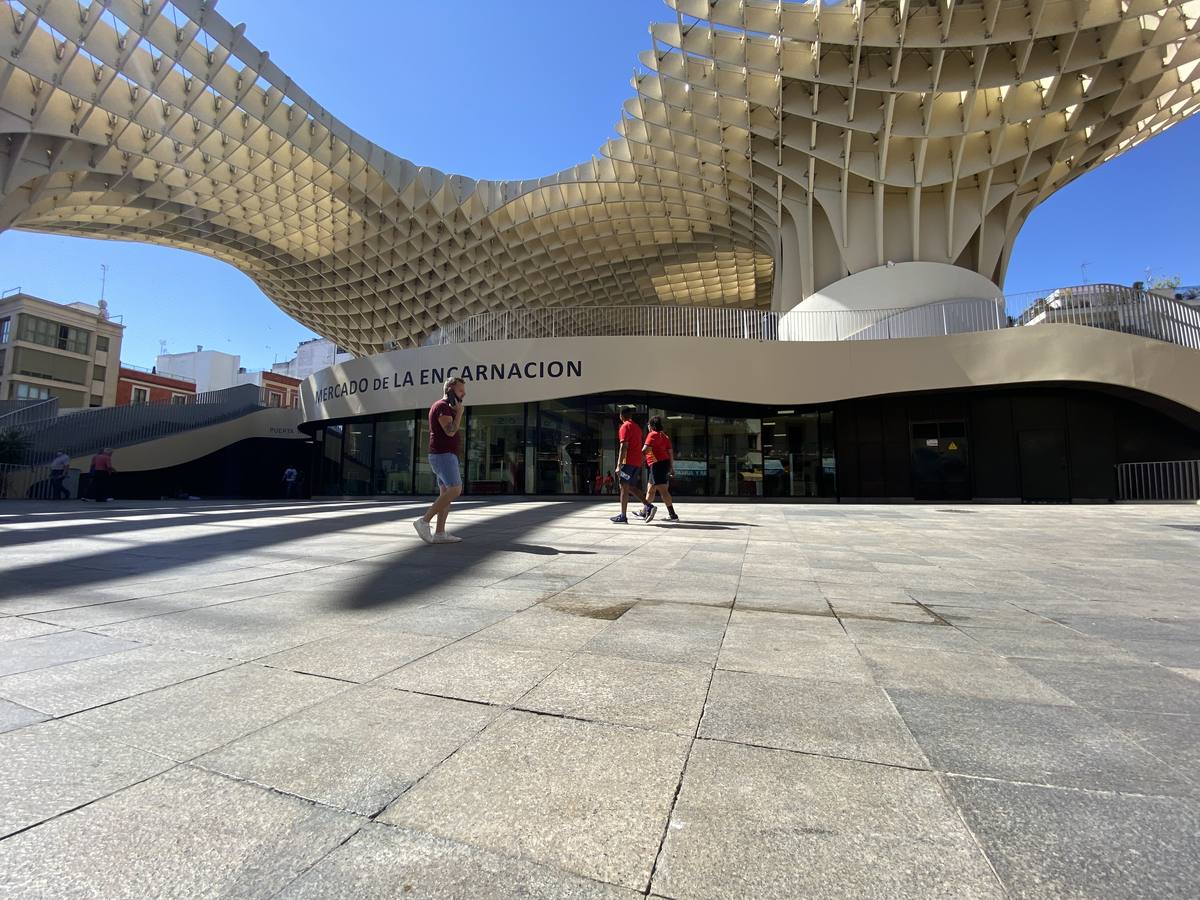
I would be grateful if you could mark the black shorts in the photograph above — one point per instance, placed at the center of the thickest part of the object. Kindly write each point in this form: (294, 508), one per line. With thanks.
(631, 475)
(658, 471)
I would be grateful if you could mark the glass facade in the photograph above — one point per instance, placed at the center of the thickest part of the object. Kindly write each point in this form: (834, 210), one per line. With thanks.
(798, 454)
(570, 447)
(394, 436)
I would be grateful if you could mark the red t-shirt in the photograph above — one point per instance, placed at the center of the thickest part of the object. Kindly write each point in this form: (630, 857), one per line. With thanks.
(660, 447)
(631, 434)
(439, 441)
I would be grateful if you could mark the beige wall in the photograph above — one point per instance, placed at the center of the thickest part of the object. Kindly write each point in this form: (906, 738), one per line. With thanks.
(180, 448)
(770, 372)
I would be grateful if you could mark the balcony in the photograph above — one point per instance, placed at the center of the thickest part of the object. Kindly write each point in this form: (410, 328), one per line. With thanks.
(1110, 307)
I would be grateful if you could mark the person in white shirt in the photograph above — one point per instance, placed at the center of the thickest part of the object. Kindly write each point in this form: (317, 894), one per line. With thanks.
(58, 474)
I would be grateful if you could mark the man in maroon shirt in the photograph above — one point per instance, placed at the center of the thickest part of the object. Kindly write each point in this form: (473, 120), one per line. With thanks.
(445, 423)
(629, 461)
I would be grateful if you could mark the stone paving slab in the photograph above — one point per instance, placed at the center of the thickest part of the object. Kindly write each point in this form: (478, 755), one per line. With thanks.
(821, 717)
(1057, 745)
(49, 768)
(751, 822)
(80, 685)
(357, 751)
(183, 834)
(43, 651)
(1048, 842)
(1109, 685)
(15, 627)
(890, 701)
(982, 674)
(477, 670)
(383, 863)
(185, 720)
(659, 696)
(13, 716)
(359, 655)
(765, 650)
(588, 798)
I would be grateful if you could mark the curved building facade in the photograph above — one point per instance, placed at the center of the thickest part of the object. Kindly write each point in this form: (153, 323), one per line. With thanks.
(813, 172)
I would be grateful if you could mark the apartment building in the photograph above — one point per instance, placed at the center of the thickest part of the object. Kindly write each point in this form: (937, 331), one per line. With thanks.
(71, 351)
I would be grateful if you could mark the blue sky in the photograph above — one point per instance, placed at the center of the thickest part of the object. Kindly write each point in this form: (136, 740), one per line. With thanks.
(517, 90)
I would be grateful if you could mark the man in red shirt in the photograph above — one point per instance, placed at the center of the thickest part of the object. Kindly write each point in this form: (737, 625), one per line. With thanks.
(661, 460)
(629, 461)
(445, 423)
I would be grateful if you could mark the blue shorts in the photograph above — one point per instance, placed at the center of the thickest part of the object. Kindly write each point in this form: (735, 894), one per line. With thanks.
(631, 475)
(445, 467)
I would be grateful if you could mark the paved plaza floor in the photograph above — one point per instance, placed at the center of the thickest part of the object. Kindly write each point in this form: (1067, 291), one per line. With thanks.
(303, 701)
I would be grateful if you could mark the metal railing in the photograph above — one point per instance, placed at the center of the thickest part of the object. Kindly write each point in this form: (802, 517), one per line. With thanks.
(930, 320)
(153, 370)
(1107, 306)
(25, 482)
(19, 413)
(735, 323)
(611, 321)
(1175, 480)
(89, 430)
(1114, 307)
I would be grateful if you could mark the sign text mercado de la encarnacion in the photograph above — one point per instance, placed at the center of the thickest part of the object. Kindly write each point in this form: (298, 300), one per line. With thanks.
(435, 375)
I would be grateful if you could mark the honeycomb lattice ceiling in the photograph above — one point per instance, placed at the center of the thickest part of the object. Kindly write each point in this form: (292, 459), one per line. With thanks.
(769, 149)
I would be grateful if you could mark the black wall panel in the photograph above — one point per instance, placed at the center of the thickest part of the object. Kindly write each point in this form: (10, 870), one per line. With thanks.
(994, 447)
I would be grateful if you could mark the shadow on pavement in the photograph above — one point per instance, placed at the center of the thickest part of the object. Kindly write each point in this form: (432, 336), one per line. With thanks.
(105, 526)
(137, 559)
(423, 566)
(402, 572)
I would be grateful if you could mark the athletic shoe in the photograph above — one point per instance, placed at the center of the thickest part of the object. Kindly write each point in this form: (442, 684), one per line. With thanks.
(650, 511)
(639, 513)
(423, 531)
(445, 538)
(619, 519)
(672, 518)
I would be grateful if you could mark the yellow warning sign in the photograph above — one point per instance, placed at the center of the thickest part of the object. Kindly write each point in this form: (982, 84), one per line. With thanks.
(953, 446)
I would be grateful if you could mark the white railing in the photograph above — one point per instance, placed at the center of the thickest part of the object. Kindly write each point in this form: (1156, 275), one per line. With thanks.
(735, 323)
(1110, 307)
(930, 320)
(1175, 480)
(1114, 307)
(611, 321)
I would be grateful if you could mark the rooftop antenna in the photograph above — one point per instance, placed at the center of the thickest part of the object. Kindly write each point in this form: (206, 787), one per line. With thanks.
(162, 347)
(103, 278)
(1083, 269)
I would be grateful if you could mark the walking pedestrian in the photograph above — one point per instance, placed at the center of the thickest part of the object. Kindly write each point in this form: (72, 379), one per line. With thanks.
(291, 481)
(102, 469)
(629, 462)
(661, 459)
(58, 474)
(445, 423)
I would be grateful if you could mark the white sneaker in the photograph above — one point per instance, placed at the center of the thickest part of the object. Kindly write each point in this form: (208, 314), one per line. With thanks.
(422, 529)
(445, 538)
